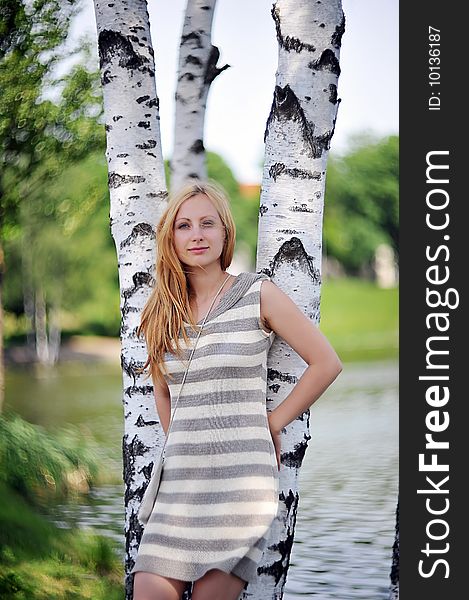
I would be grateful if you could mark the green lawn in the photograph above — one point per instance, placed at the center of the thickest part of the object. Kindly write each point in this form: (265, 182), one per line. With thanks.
(359, 319)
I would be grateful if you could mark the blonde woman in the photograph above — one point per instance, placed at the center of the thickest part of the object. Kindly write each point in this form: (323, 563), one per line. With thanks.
(218, 494)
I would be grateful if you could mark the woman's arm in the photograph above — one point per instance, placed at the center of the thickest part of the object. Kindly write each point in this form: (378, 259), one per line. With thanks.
(163, 403)
(283, 316)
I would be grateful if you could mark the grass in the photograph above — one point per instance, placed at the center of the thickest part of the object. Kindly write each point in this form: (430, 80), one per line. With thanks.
(41, 466)
(360, 319)
(39, 560)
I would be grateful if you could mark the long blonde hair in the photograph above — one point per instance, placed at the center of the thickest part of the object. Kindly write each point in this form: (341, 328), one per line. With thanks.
(168, 305)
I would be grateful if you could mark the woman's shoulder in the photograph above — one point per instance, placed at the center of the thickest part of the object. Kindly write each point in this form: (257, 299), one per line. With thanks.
(254, 277)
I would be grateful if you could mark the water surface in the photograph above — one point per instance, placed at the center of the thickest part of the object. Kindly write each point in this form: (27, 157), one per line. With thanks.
(348, 482)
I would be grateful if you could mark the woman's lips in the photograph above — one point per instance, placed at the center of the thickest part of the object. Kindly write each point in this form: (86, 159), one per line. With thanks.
(197, 250)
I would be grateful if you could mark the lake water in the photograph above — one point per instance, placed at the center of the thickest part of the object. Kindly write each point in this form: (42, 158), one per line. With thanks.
(348, 482)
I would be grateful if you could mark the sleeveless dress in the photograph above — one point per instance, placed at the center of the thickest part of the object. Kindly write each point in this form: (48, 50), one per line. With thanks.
(218, 495)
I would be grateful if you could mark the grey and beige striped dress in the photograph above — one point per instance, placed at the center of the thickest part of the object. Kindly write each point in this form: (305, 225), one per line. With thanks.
(219, 490)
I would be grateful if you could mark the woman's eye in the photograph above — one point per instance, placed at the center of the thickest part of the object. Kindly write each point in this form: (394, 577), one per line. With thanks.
(205, 224)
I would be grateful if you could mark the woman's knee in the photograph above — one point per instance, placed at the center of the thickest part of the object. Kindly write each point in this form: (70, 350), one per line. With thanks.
(217, 585)
(150, 586)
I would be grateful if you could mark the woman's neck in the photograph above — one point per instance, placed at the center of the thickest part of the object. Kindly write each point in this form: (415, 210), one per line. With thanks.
(203, 285)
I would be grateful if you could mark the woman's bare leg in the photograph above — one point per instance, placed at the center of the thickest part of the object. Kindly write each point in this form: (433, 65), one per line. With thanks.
(149, 586)
(218, 585)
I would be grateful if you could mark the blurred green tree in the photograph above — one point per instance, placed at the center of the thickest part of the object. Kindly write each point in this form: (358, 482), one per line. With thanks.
(362, 201)
(46, 120)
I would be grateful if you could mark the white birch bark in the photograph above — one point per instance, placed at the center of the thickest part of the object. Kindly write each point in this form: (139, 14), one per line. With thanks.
(138, 194)
(297, 136)
(197, 69)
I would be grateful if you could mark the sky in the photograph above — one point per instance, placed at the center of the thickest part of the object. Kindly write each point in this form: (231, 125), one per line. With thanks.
(240, 97)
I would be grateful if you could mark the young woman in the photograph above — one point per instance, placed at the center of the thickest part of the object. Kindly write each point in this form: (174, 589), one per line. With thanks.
(218, 494)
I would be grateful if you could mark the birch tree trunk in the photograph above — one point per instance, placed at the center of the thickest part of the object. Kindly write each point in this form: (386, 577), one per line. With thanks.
(298, 132)
(40, 325)
(394, 587)
(197, 69)
(138, 194)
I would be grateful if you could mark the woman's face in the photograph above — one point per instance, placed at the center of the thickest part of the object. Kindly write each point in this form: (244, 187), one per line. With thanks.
(198, 225)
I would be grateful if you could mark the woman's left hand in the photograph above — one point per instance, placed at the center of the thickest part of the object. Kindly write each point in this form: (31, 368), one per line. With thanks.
(276, 440)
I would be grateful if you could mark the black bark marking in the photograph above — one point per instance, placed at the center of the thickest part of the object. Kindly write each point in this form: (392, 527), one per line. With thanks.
(148, 145)
(293, 253)
(133, 198)
(143, 229)
(284, 547)
(162, 195)
(193, 176)
(192, 36)
(107, 127)
(130, 390)
(142, 99)
(288, 43)
(193, 60)
(336, 39)
(139, 280)
(278, 169)
(112, 44)
(394, 575)
(197, 147)
(286, 107)
(263, 209)
(116, 180)
(289, 231)
(205, 8)
(308, 98)
(327, 62)
(130, 451)
(295, 458)
(322, 142)
(332, 93)
(322, 25)
(122, 155)
(117, 118)
(140, 422)
(301, 208)
(273, 374)
(144, 124)
(211, 70)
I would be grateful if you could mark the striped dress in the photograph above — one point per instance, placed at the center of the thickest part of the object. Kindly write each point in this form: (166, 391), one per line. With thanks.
(219, 489)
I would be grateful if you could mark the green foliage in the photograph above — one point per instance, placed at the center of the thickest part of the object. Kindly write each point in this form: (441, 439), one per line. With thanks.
(361, 205)
(71, 256)
(40, 466)
(39, 135)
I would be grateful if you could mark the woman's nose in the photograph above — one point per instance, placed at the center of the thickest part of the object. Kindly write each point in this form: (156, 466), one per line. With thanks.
(197, 232)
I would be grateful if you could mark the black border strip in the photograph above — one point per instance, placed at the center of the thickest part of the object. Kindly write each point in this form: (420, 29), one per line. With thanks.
(432, 260)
